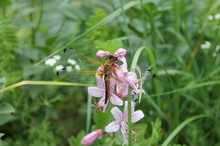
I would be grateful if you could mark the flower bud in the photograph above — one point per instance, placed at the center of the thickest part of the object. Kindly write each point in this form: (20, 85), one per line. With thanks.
(121, 52)
(91, 137)
(102, 53)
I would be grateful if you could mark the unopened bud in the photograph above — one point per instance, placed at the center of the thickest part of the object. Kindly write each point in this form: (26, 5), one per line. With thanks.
(91, 137)
(102, 53)
(121, 52)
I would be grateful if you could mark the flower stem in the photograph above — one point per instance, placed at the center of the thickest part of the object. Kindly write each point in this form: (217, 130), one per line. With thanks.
(129, 122)
(47, 83)
(109, 135)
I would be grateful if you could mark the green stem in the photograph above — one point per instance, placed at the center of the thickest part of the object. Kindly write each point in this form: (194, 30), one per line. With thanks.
(129, 122)
(89, 113)
(34, 30)
(153, 27)
(40, 17)
(47, 83)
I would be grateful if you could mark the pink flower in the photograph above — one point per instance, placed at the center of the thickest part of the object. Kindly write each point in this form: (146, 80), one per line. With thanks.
(100, 92)
(129, 78)
(91, 137)
(121, 52)
(102, 53)
(121, 74)
(122, 118)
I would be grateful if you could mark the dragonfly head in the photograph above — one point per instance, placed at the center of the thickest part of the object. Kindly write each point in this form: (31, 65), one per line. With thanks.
(112, 58)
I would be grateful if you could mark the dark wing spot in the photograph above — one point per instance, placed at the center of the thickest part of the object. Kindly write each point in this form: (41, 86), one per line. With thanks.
(64, 50)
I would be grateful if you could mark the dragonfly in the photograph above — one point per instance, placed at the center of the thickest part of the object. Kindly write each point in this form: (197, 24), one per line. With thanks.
(106, 70)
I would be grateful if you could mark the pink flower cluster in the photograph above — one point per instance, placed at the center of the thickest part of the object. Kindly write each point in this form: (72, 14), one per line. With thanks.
(121, 80)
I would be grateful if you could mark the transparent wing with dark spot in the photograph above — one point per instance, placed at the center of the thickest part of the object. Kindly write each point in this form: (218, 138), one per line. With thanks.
(148, 75)
(78, 66)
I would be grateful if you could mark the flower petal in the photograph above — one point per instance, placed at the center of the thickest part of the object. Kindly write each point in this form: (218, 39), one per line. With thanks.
(132, 76)
(102, 104)
(126, 108)
(124, 63)
(122, 90)
(112, 127)
(95, 91)
(117, 114)
(100, 70)
(124, 128)
(120, 74)
(115, 100)
(136, 116)
(112, 85)
(100, 82)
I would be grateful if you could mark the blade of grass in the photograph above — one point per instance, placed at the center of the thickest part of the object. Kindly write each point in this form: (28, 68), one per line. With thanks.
(183, 124)
(156, 83)
(106, 20)
(134, 66)
(152, 25)
(47, 83)
(143, 19)
(124, 20)
(198, 85)
(136, 57)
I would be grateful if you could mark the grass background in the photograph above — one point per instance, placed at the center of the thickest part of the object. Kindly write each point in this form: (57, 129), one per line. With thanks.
(165, 36)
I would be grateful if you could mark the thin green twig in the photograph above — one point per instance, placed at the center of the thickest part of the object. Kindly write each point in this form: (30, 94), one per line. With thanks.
(47, 83)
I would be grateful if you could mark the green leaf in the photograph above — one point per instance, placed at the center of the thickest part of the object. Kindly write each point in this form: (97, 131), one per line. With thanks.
(110, 45)
(6, 118)
(103, 118)
(4, 3)
(6, 108)
(33, 70)
(140, 130)
(8, 39)
(156, 134)
(75, 141)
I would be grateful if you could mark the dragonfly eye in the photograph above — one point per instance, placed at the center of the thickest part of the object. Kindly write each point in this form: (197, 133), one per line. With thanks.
(109, 58)
(112, 58)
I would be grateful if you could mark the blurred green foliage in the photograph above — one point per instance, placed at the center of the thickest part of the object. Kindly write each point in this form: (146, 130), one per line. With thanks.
(172, 30)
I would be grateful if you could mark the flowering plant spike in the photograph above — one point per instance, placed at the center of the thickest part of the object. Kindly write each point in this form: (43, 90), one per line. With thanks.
(113, 82)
